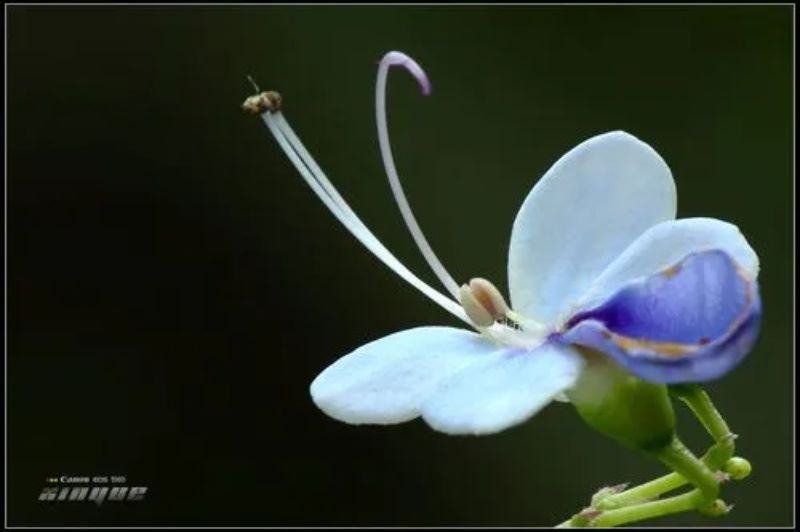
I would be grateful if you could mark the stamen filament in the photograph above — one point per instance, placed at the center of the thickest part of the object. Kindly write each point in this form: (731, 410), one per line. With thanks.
(389, 60)
(327, 193)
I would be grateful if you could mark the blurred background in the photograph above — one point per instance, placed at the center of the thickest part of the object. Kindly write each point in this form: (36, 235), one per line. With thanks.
(174, 287)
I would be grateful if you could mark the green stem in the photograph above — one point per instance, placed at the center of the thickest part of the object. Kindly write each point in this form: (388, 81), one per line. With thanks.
(643, 492)
(681, 460)
(638, 503)
(692, 500)
(649, 510)
(687, 467)
(715, 458)
(700, 403)
(654, 488)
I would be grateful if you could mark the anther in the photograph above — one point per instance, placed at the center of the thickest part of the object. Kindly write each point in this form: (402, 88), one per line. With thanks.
(266, 101)
(482, 302)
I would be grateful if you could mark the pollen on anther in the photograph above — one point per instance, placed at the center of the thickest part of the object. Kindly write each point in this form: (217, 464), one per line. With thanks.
(482, 302)
(265, 101)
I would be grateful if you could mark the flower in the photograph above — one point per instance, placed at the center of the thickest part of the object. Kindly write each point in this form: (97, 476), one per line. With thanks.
(597, 263)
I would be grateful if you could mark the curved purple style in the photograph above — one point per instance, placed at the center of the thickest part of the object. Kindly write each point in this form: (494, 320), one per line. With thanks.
(691, 322)
(413, 68)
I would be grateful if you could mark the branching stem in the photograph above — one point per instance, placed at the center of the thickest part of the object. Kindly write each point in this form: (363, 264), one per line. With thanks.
(642, 502)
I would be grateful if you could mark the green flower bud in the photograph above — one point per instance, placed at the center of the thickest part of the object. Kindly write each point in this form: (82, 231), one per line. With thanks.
(738, 468)
(635, 413)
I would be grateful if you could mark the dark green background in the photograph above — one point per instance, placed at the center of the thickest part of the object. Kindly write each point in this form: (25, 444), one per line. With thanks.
(174, 287)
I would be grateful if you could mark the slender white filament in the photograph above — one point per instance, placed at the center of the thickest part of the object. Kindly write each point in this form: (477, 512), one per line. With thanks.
(390, 59)
(327, 193)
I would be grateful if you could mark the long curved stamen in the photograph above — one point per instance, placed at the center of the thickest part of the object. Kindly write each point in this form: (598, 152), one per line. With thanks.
(401, 59)
(327, 193)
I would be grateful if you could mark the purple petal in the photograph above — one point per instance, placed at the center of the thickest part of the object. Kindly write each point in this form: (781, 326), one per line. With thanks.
(691, 322)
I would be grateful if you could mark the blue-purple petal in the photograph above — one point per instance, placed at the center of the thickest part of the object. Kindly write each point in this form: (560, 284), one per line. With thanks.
(692, 322)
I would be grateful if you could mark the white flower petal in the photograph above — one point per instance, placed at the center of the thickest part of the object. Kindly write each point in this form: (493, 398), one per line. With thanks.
(504, 389)
(665, 245)
(593, 202)
(386, 380)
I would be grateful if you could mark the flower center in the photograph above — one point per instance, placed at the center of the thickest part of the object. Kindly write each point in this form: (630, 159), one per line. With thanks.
(490, 315)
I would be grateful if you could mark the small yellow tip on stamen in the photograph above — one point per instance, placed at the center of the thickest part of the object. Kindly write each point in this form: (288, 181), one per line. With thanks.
(482, 302)
(265, 101)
